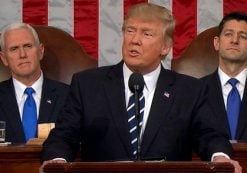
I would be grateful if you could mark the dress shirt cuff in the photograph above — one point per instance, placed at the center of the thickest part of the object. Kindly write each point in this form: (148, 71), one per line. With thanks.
(219, 154)
(62, 159)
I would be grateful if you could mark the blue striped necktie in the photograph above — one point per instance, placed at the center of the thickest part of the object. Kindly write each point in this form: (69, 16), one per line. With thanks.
(133, 121)
(233, 107)
(29, 117)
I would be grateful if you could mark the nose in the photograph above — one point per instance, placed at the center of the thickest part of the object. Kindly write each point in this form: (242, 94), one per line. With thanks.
(235, 38)
(136, 39)
(22, 53)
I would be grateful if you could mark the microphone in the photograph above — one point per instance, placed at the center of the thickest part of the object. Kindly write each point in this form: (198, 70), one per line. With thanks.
(136, 85)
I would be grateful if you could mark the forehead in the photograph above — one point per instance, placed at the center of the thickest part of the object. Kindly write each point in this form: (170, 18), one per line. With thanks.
(18, 35)
(138, 22)
(235, 25)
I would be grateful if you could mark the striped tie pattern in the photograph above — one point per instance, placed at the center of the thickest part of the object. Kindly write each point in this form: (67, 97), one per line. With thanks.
(133, 121)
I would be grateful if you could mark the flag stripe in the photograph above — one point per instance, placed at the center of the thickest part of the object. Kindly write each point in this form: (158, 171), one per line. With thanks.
(208, 17)
(129, 3)
(35, 12)
(185, 13)
(237, 5)
(8, 16)
(110, 35)
(86, 25)
(96, 24)
(61, 14)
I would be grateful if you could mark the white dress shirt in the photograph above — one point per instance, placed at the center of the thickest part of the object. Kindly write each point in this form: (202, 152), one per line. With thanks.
(148, 91)
(21, 96)
(226, 87)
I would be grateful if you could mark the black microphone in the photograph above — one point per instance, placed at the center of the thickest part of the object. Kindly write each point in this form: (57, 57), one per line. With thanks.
(136, 85)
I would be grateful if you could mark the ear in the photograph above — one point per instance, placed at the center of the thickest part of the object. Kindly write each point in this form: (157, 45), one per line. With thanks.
(166, 49)
(41, 50)
(216, 43)
(4, 60)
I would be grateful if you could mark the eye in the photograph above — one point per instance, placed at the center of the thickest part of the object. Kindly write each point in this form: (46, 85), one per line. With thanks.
(228, 34)
(129, 30)
(149, 34)
(28, 45)
(13, 49)
(243, 36)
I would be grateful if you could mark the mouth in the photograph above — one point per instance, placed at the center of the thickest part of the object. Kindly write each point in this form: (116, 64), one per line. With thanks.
(233, 48)
(23, 63)
(134, 53)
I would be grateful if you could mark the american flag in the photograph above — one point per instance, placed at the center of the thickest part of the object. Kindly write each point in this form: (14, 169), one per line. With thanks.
(96, 24)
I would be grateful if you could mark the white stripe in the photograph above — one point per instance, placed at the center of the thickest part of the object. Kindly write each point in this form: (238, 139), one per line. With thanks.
(10, 11)
(209, 14)
(142, 110)
(141, 98)
(135, 152)
(133, 129)
(110, 35)
(131, 106)
(60, 14)
(134, 141)
(131, 118)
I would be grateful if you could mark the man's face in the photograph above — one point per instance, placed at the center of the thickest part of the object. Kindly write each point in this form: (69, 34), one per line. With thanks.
(143, 45)
(22, 54)
(232, 42)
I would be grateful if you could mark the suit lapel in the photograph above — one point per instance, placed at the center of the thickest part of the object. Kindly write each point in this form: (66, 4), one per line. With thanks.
(10, 110)
(216, 102)
(161, 104)
(115, 92)
(242, 121)
(48, 99)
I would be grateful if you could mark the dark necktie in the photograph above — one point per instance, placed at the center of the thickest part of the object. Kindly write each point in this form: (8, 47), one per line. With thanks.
(29, 117)
(233, 107)
(133, 121)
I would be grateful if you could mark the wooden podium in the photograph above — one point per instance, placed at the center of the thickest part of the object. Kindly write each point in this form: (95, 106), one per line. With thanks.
(26, 158)
(137, 167)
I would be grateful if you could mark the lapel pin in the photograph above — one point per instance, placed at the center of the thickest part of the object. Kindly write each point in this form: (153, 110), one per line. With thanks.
(48, 101)
(166, 94)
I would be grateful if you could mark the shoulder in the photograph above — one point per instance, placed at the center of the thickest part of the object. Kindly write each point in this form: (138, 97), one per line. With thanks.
(96, 75)
(209, 78)
(182, 80)
(6, 84)
(50, 83)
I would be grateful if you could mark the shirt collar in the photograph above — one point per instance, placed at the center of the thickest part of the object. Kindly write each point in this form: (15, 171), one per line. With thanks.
(241, 77)
(20, 87)
(149, 78)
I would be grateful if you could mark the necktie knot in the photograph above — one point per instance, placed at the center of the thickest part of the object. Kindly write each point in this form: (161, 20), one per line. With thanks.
(29, 91)
(233, 82)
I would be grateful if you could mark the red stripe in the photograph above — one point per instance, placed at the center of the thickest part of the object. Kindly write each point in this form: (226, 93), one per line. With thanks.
(129, 3)
(35, 12)
(236, 5)
(185, 13)
(86, 19)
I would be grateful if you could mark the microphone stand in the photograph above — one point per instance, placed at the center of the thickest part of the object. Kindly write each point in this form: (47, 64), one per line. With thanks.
(137, 112)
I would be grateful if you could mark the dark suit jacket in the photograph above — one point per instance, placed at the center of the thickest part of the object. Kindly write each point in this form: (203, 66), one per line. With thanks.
(53, 97)
(216, 102)
(95, 115)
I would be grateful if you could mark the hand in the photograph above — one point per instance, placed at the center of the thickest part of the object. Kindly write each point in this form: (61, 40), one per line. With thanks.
(237, 167)
(50, 161)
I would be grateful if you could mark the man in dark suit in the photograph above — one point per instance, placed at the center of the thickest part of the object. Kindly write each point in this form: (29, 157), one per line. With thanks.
(231, 44)
(22, 51)
(175, 120)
